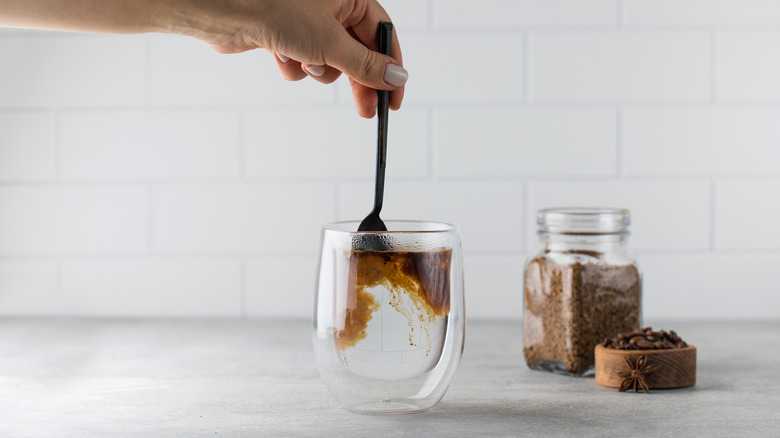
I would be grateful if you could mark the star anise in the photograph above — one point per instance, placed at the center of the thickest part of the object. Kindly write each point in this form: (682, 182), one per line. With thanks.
(636, 375)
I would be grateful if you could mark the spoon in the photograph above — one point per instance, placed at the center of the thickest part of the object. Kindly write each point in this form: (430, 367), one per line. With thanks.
(372, 222)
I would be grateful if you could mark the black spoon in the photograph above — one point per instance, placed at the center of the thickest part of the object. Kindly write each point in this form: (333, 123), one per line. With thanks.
(372, 222)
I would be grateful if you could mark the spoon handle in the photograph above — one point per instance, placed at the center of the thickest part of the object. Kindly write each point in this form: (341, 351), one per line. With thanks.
(385, 46)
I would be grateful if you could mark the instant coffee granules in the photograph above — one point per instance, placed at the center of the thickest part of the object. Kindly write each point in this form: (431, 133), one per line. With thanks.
(571, 307)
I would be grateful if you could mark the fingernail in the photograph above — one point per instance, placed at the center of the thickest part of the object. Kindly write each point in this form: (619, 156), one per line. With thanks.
(316, 70)
(395, 75)
(282, 58)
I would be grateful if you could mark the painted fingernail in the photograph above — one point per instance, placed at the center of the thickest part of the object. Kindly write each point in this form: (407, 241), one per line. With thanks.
(282, 58)
(316, 70)
(395, 75)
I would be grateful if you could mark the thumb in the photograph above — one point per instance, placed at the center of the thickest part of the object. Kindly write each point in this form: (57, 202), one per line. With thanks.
(366, 66)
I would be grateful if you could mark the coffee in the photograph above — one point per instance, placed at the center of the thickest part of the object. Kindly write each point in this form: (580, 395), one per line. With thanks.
(417, 283)
(569, 308)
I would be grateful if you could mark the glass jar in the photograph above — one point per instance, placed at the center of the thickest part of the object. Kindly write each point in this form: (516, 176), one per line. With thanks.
(580, 288)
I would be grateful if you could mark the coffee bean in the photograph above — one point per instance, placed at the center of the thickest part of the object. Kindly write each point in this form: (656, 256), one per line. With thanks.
(639, 340)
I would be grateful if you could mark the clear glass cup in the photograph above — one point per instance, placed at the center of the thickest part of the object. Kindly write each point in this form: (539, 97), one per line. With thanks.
(389, 319)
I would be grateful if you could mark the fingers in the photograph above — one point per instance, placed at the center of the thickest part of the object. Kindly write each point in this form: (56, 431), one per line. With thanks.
(365, 98)
(290, 69)
(366, 66)
(321, 73)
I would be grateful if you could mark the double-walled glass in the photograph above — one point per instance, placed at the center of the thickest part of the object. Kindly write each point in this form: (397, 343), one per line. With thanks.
(389, 314)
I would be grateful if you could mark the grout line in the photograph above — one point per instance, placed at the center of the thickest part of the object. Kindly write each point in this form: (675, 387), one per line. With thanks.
(541, 178)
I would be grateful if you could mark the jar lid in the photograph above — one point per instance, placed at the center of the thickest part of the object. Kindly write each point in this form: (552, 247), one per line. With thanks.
(584, 220)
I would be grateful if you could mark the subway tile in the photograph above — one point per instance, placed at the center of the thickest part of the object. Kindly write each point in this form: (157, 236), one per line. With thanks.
(665, 215)
(337, 144)
(464, 14)
(72, 71)
(489, 142)
(748, 215)
(701, 140)
(153, 287)
(485, 223)
(281, 286)
(186, 71)
(72, 220)
(620, 66)
(701, 12)
(440, 71)
(240, 218)
(118, 145)
(29, 288)
(747, 65)
(494, 286)
(407, 14)
(711, 286)
(27, 146)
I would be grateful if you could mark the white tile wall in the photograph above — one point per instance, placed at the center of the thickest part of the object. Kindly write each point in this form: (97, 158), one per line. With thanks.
(453, 67)
(149, 176)
(240, 218)
(27, 146)
(620, 66)
(507, 142)
(747, 64)
(281, 286)
(46, 220)
(665, 215)
(747, 213)
(152, 287)
(489, 214)
(66, 71)
(701, 12)
(278, 147)
(702, 141)
(490, 14)
(150, 145)
(29, 287)
(711, 286)
(187, 72)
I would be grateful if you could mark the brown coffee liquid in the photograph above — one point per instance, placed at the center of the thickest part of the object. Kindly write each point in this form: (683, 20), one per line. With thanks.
(423, 276)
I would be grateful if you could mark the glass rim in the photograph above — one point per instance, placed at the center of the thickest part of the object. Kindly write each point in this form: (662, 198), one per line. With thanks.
(444, 227)
(575, 220)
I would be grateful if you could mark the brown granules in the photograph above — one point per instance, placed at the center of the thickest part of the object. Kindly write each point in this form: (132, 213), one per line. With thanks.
(571, 308)
(423, 276)
(645, 339)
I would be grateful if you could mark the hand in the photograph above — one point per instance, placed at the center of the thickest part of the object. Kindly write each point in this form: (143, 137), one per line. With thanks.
(316, 38)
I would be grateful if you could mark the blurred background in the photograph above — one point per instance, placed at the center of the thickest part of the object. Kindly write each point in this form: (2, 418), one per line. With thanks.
(146, 176)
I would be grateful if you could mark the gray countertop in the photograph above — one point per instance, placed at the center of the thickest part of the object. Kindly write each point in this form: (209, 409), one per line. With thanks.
(258, 378)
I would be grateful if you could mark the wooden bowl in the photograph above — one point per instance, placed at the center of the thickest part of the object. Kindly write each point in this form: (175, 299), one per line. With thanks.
(676, 367)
